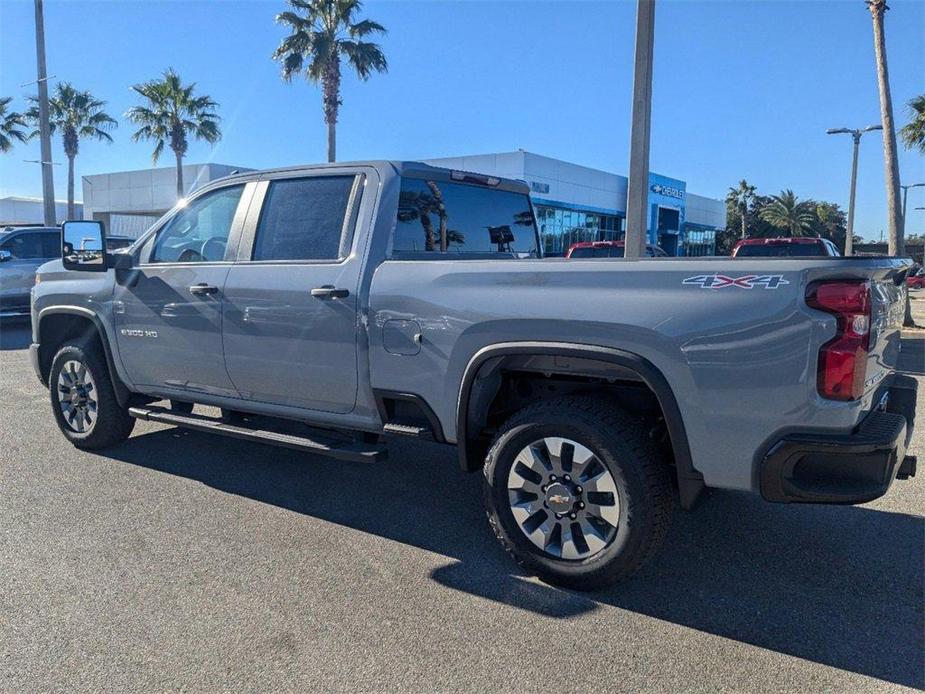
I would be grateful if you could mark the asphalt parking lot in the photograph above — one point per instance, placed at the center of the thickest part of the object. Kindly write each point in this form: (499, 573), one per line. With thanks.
(184, 561)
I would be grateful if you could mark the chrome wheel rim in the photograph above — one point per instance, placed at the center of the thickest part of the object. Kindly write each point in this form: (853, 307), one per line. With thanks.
(563, 498)
(77, 397)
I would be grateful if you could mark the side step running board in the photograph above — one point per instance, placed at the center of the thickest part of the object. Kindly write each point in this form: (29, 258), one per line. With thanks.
(320, 445)
(406, 430)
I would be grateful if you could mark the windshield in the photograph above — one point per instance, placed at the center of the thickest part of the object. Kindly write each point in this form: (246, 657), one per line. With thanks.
(779, 249)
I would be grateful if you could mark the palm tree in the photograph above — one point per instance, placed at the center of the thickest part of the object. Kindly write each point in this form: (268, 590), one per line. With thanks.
(740, 198)
(11, 125)
(890, 162)
(787, 213)
(913, 132)
(170, 115)
(323, 31)
(77, 115)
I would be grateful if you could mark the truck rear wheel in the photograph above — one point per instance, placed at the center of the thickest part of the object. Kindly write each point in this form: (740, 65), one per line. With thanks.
(577, 492)
(83, 400)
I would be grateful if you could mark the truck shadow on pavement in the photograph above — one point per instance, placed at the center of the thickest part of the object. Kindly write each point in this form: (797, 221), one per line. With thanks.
(841, 586)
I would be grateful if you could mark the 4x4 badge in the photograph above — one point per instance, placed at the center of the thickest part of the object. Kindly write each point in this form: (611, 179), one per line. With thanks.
(743, 282)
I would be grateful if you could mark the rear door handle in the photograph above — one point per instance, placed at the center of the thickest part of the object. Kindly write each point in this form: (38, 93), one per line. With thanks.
(329, 291)
(203, 288)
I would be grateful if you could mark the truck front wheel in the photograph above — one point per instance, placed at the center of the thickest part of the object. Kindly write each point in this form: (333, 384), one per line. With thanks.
(577, 492)
(83, 400)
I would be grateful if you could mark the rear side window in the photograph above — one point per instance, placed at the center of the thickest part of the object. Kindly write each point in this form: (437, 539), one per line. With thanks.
(304, 219)
(459, 219)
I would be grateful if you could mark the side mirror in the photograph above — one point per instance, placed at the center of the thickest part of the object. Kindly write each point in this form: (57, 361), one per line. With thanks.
(5, 255)
(83, 246)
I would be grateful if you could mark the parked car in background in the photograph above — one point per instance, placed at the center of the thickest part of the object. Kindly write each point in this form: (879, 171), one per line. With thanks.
(22, 250)
(608, 249)
(799, 246)
(916, 279)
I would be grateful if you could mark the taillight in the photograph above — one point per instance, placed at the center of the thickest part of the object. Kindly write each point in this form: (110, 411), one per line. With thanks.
(843, 359)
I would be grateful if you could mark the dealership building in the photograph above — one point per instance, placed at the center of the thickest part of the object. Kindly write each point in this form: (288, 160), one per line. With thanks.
(573, 203)
(18, 210)
(128, 202)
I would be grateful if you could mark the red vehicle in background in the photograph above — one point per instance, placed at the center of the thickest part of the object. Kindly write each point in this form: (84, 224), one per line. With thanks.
(608, 249)
(916, 279)
(800, 246)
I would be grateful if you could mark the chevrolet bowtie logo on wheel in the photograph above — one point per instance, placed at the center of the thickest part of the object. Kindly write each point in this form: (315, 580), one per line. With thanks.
(559, 499)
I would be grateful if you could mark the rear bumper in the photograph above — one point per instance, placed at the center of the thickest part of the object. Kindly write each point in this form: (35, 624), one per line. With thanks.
(824, 468)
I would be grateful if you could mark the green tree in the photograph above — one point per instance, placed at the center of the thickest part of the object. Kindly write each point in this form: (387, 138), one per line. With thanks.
(737, 201)
(171, 114)
(913, 132)
(12, 125)
(77, 115)
(324, 31)
(787, 213)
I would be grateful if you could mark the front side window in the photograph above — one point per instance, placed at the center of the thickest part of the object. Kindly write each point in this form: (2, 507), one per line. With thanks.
(198, 233)
(459, 219)
(303, 219)
(25, 247)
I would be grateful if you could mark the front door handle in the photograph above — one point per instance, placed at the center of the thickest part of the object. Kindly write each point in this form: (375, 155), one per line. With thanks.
(329, 291)
(203, 288)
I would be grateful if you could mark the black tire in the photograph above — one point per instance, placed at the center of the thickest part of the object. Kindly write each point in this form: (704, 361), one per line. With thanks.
(181, 407)
(111, 423)
(638, 469)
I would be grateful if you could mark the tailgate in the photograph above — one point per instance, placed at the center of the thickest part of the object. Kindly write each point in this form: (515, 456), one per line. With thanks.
(888, 307)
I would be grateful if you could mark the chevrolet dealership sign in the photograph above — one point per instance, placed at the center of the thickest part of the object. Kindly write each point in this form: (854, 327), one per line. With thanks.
(669, 191)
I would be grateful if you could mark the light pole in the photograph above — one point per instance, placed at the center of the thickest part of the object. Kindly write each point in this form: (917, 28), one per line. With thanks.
(637, 193)
(856, 136)
(905, 190)
(48, 184)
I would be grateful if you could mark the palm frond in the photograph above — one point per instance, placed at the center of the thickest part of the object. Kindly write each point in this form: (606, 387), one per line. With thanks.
(365, 57)
(365, 28)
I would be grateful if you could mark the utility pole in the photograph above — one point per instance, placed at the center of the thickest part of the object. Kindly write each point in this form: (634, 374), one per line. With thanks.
(48, 183)
(856, 136)
(637, 194)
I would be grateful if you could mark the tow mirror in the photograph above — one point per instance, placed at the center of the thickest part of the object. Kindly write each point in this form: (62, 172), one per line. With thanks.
(5, 255)
(83, 246)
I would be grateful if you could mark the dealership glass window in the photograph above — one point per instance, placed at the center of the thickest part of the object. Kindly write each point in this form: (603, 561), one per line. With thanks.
(303, 219)
(459, 219)
(562, 227)
(698, 241)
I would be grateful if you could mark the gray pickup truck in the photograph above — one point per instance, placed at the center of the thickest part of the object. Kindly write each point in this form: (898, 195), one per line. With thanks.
(330, 308)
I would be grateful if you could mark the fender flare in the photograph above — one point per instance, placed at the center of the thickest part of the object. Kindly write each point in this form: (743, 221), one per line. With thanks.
(123, 394)
(690, 481)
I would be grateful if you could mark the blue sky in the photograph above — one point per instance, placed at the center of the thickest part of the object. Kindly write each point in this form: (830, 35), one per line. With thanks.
(741, 88)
